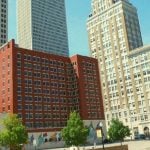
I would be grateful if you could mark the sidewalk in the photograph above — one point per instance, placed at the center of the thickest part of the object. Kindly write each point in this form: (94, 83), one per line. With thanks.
(133, 145)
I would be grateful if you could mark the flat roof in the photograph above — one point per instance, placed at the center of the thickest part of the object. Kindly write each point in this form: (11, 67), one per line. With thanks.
(139, 50)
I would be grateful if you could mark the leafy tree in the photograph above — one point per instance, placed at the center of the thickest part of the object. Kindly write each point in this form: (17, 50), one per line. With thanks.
(14, 134)
(75, 133)
(117, 131)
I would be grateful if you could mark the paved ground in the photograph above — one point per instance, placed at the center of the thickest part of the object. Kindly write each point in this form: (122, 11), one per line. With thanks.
(139, 145)
(133, 145)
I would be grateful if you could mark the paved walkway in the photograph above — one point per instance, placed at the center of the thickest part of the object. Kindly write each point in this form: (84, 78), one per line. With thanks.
(139, 145)
(133, 145)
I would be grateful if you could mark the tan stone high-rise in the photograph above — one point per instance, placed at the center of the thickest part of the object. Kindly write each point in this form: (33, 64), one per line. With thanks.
(139, 62)
(113, 32)
(3, 21)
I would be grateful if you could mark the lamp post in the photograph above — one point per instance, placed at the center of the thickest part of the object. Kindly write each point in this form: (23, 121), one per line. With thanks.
(100, 133)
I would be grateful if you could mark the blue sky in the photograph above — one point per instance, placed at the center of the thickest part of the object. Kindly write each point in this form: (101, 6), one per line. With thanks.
(77, 13)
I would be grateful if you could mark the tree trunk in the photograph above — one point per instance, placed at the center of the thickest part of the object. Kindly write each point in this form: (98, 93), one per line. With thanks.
(121, 146)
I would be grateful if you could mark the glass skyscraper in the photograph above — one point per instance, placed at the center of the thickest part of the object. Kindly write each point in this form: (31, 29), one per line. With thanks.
(3, 21)
(42, 26)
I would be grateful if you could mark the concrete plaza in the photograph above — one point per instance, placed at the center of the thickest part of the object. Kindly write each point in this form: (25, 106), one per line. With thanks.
(133, 145)
(139, 145)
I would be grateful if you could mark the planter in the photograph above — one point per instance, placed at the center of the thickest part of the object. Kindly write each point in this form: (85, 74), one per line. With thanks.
(74, 148)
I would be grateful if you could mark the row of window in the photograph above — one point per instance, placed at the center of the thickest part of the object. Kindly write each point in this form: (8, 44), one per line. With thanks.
(39, 107)
(48, 124)
(44, 91)
(5, 108)
(48, 99)
(40, 60)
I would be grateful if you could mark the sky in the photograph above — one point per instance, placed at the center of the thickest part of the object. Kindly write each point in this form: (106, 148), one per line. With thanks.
(77, 12)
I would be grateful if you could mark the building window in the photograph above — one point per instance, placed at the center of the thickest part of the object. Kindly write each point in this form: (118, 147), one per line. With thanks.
(8, 107)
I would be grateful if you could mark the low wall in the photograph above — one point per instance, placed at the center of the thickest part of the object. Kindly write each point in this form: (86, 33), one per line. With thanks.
(124, 147)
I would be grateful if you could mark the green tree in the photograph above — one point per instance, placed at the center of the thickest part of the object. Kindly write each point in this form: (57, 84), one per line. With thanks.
(75, 133)
(14, 134)
(117, 131)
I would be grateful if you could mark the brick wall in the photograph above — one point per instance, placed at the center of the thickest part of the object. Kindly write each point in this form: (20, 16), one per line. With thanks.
(43, 88)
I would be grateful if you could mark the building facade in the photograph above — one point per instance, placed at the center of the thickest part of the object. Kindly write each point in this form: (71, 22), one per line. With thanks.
(140, 68)
(44, 88)
(3, 21)
(41, 25)
(113, 32)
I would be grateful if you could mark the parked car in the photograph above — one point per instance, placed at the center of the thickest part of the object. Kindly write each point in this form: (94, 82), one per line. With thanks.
(139, 137)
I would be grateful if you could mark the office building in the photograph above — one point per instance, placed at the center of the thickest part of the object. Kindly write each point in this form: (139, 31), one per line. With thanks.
(3, 21)
(113, 32)
(139, 105)
(44, 88)
(41, 25)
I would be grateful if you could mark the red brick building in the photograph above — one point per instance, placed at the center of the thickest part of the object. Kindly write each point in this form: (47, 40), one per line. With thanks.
(43, 88)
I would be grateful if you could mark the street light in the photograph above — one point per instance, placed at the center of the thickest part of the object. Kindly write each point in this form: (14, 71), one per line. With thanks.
(100, 134)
